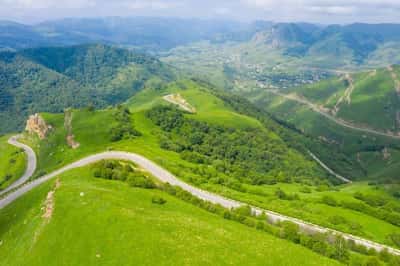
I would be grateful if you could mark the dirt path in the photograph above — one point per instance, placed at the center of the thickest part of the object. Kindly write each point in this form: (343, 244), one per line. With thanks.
(68, 127)
(341, 122)
(166, 177)
(347, 94)
(395, 79)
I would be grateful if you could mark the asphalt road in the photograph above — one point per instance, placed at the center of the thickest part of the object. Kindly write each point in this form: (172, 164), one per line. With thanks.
(31, 164)
(165, 176)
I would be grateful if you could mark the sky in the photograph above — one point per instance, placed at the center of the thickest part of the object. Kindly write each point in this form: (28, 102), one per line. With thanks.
(317, 11)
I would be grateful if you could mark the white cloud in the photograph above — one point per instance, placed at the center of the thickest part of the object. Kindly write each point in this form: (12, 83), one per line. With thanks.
(324, 11)
(222, 11)
(150, 4)
(46, 4)
(339, 10)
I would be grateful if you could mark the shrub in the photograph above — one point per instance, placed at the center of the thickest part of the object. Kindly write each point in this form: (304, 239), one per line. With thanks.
(280, 194)
(305, 190)
(373, 261)
(244, 210)
(340, 251)
(158, 200)
(290, 231)
(140, 181)
(328, 200)
(337, 219)
(395, 238)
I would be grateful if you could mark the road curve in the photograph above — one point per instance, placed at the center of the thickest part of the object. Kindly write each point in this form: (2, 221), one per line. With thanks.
(165, 176)
(340, 122)
(30, 164)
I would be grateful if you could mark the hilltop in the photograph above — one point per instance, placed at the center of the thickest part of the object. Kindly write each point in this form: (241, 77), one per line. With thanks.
(52, 79)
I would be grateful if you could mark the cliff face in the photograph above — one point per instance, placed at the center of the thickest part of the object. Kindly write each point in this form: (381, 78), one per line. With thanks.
(36, 125)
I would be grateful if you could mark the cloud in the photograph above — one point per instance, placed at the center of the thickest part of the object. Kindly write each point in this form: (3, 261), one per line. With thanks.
(46, 4)
(149, 4)
(322, 11)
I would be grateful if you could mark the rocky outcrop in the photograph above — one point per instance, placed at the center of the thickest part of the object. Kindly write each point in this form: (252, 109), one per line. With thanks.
(37, 125)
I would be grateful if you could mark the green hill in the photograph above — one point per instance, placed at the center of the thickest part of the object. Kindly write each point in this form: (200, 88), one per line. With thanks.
(367, 100)
(104, 222)
(51, 79)
(221, 148)
(370, 98)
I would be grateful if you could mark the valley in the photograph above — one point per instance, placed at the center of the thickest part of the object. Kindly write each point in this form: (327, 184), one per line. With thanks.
(166, 141)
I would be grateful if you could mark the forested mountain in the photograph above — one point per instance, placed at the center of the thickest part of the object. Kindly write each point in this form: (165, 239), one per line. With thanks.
(354, 42)
(153, 34)
(51, 79)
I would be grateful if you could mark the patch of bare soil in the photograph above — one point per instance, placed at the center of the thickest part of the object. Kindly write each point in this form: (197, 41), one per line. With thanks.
(49, 202)
(386, 154)
(68, 127)
(177, 99)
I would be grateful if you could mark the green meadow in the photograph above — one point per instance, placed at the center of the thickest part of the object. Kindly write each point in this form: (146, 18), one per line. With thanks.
(303, 195)
(102, 222)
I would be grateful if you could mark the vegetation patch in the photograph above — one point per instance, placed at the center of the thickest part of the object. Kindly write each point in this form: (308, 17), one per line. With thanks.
(12, 163)
(250, 156)
(124, 128)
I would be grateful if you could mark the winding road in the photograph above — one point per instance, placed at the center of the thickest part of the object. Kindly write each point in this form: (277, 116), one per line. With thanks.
(340, 122)
(165, 176)
(31, 164)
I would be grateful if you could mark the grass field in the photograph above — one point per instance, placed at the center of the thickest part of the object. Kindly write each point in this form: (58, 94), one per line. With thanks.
(91, 130)
(12, 163)
(311, 207)
(114, 224)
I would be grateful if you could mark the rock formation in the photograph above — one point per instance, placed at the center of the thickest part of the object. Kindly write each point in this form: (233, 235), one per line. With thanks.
(36, 124)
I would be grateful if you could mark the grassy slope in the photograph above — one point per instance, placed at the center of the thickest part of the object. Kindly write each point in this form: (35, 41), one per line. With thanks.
(12, 163)
(91, 130)
(311, 208)
(374, 102)
(123, 227)
(363, 150)
(373, 97)
(209, 108)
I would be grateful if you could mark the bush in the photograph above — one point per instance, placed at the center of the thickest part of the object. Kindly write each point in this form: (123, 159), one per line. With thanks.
(328, 200)
(305, 190)
(337, 219)
(373, 261)
(290, 231)
(280, 194)
(140, 181)
(395, 238)
(340, 251)
(158, 200)
(244, 210)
